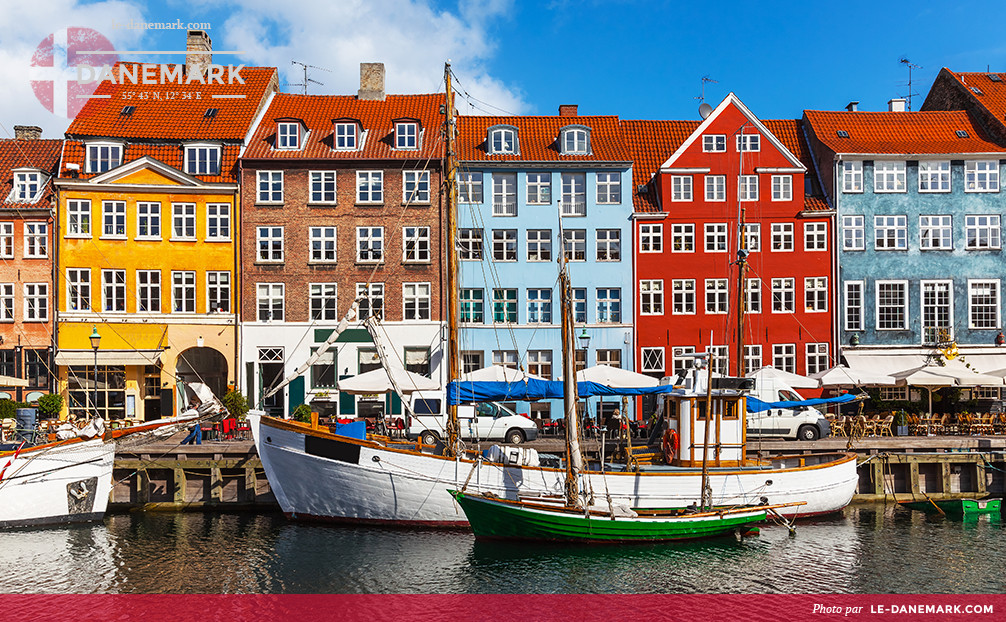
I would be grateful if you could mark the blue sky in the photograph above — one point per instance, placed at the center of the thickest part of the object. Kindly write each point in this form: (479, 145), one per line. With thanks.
(636, 59)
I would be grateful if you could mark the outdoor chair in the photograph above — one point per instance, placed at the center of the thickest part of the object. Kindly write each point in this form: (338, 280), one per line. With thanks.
(885, 427)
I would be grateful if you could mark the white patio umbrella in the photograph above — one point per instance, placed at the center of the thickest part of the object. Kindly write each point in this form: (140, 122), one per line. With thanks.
(842, 376)
(931, 377)
(378, 381)
(794, 380)
(615, 377)
(498, 373)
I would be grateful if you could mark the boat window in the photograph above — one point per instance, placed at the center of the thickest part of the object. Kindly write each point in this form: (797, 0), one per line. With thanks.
(426, 407)
(731, 410)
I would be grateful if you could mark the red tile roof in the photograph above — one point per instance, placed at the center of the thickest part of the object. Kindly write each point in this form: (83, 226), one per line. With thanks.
(650, 143)
(790, 133)
(537, 139)
(175, 111)
(990, 93)
(376, 117)
(171, 154)
(900, 132)
(42, 154)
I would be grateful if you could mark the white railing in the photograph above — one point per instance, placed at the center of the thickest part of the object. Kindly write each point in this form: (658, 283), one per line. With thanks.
(574, 208)
(504, 208)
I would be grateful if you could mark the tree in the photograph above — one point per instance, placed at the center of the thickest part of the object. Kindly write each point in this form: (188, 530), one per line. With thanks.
(50, 405)
(236, 404)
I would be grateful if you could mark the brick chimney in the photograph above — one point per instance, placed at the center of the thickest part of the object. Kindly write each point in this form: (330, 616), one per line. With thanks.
(567, 110)
(896, 105)
(27, 132)
(371, 81)
(197, 41)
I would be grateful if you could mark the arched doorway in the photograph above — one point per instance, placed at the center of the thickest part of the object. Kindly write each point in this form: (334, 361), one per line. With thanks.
(204, 365)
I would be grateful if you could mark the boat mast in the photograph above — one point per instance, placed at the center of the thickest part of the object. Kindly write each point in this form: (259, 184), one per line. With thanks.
(707, 492)
(574, 461)
(742, 266)
(453, 351)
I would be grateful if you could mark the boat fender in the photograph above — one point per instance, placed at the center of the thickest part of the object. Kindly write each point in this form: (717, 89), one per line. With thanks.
(670, 445)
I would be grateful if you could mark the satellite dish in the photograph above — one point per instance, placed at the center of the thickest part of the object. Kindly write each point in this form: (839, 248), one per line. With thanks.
(705, 110)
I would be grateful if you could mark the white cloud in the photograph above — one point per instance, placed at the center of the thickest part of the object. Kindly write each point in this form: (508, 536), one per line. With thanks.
(25, 25)
(412, 39)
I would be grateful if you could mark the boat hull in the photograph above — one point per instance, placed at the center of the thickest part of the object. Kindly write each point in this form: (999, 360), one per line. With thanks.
(57, 483)
(501, 520)
(957, 508)
(319, 476)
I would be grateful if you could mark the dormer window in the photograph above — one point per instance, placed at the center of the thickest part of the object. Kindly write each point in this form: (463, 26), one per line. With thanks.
(288, 135)
(346, 136)
(202, 159)
(406, 135)
(26, 185)
(103, 157)
(503, 140)
(575, 140)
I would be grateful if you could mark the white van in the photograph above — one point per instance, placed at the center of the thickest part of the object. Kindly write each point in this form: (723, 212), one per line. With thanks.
(485, 421)
(804, 423)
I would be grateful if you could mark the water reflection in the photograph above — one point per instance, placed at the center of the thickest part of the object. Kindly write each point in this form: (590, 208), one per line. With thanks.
(870, 548)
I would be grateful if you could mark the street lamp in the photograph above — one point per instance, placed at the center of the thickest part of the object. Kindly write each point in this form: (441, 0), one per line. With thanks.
(584, 338)
(95, 342)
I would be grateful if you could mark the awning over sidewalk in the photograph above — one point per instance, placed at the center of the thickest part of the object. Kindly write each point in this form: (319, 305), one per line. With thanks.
(109, 357)
(894, 364)
(9, 381)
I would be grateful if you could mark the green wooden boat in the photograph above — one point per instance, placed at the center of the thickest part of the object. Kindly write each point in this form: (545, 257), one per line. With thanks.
(956, 508)
(501, 519)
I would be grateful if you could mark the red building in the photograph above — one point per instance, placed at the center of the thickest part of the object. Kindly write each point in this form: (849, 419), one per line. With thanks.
(694, 182)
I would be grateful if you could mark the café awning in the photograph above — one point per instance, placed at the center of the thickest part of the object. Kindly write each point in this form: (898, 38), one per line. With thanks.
(109, 357)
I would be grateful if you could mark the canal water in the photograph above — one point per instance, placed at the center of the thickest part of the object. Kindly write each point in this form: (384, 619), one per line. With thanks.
(867, 549)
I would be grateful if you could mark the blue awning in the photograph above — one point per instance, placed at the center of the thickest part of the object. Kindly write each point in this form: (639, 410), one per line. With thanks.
(464, 392)
(755, 405)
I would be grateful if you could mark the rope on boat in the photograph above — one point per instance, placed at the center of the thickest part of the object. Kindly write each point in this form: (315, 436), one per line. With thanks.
(475, 464)
(779, 519)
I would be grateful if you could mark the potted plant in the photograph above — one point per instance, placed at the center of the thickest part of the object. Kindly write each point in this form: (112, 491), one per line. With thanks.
(302, 413)
(901, 423)
(236, 404)
(50, 405)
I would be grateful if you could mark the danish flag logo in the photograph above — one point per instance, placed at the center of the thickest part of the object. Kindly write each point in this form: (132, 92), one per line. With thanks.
(54, 68)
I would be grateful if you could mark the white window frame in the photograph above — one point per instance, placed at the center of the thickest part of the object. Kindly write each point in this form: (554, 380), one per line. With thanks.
(747, 187)
(78, 218)
(418, 237)
(36, 240)
(504, 194)
(269, 187)
(752, 237)
(539, 188)
(983, 226)
(608, 245)
(716, 188)
(183, 217)
(782, 187)
(753, 295)
(883, 226)
(974, 307)
(852, 177)
(815, 294)
(288, 135)
(24, 181)
(539, 305)
(815, 236)
(681, 188)
(78, 289)
(784, 293)
(113, 291)
(92, 163)
(748, 142)
(651, 238)
(6, 302)
(539, 245)
(717, 296)
(148, 212)
(934, 176)
(501, 238)
(903, 286)
(148, 291)
(574, 244)
(471, 245)
(365, 238)
(416, 187)
(323, 244)
(370, 184)
(930, 332)
(680, 359)
(6, 240)
(413, 297)
(652, 359)
(981, 176)
(218, 222)
(782, 237)
(210, 165)
(936, 232)
(714, 143)
(608, 305)
(716, 238)
(470, 187)
(274, 249)
(266, 297)
(609, 187)
(181, 292)
(406, 135)
(323, 301)
(889, 176)
(651, 297)
(854, 290)
(683, 297)
(346, 136)
(854, 233)
(113, 215)
(575, 141)
(36, 302)
(372, 302)
(752, 358)
(784, 357)
(502, 141)
(573, 194)
(327, 188)
(682, 237)
(816, 357)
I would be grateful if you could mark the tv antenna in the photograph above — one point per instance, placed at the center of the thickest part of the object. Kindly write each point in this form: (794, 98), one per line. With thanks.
(705, 79)
(911, 66)
(308, 80)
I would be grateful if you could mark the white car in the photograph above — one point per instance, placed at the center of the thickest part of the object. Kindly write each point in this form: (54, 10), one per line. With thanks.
(803, 423)
(487, 421)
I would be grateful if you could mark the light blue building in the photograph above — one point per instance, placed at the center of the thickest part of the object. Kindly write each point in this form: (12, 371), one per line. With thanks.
(919, 233)
(530, 187)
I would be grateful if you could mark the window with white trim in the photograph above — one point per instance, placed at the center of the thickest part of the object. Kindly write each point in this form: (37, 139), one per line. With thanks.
(683, 296)
(575, 140)
(716, 238)
(416, 187)
(103, 157)
(934, 176)
(113, 219)
(815, 294)
(752, 292)
(539, 188)
(783, 295)
(183, 291)
(983, 304)
(852, 176)
(505, 305)
(148, 291)
(416, 301)
(982, 231)
(681, 187)
(323, 186)
(78, 289)
(716, 296)
(782, 187)
(369, 244)
(269, 241)
(416, 244)
(323, 241)
(748, 142)
(469, 187)
(719, 359)
(580, 306)
(609, 305)
(505, 358)
(890, 233)
(26, 185)
(269, 299)
(609, 188)
(504, 194)
(470, 244)
(716, 188)
(218, 222)
(574, 194)
(609, 357)
(574, 244)
(345, 136)
(714, 143)
(651, 297)
(218, 291)
(113, 290)
(202, 160)
(937, 311)
(981, 176)
(892, 305)
(936, 232)
(815, 236)
(406, 135)
(36, 302)
(747, 188)
(539, 306)
(680, 359)
(752, 358)
(472, 305)
(752, 237)
(78, 218)
(36, 240)
(6, 302)
(889, 176)
(853, 305)
(502, 140)
(853, 233)
(270, 186)
(371, 300)
(7, 240)
(504, 245)
(682, 238)
(817, 358)
(183, 221)
(609, 244)
(539, 245)
(653, 360)
(784, 357)
(148, 221)
(288, 135)
(651, 238)
(782, 237)
(894, 393)
(370, 187)
(539, 363)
